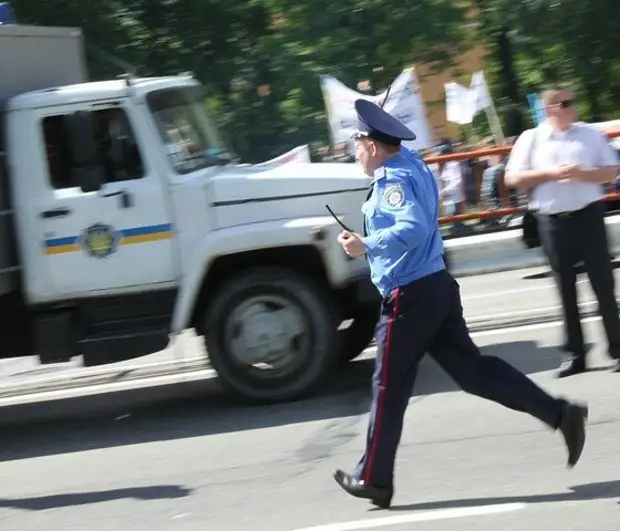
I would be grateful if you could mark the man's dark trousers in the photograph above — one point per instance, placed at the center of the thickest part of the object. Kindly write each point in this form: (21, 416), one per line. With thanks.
(566, 240)
(427, 316)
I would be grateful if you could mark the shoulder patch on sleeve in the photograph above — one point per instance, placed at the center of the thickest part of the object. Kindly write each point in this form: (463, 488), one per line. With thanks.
(394, 195)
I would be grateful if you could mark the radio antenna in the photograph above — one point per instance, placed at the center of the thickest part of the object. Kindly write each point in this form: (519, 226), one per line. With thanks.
(387, 95)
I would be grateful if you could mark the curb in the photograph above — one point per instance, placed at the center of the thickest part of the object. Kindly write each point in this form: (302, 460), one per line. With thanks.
(108, 376)
(505, 251)
(546, 315)
(114, 375)
(488, 267)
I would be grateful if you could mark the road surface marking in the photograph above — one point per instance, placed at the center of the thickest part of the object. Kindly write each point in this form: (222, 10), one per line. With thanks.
(513, 291)
(422, 516)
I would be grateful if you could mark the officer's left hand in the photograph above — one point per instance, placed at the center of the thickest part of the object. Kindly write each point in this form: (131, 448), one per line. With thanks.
(351, 243)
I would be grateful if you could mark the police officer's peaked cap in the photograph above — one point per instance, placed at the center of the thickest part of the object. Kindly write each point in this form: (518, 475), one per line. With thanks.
(374, 122)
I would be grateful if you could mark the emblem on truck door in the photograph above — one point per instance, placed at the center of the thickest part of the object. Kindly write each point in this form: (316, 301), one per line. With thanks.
(100, 240)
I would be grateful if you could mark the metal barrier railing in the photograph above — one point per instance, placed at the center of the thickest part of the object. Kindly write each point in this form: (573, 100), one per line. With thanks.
(498, 212)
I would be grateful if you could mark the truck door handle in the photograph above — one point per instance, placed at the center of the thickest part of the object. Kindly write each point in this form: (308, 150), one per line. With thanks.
(55, 213)
(126, 197)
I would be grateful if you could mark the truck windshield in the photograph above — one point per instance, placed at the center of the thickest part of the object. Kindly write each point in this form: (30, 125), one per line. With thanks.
(192, 142)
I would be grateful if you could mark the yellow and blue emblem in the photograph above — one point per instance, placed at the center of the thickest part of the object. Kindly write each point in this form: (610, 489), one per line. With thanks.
(100, 240)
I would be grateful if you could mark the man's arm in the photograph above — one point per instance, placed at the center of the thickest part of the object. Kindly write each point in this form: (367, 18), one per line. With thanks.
(529, 178)
(519, 173)
(406, 229)
(607, 164)
(604, 174)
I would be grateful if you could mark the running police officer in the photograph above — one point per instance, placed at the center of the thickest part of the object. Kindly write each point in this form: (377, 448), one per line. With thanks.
(421, 309)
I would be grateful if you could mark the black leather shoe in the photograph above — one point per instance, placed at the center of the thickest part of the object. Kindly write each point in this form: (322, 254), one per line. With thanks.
(615, 366)
(572, 367)
(381, 497)
(573, 428)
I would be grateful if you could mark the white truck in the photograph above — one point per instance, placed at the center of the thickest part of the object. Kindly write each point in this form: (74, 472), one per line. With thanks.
(124, 221)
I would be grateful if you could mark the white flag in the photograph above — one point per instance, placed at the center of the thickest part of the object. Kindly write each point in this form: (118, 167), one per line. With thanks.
(404, 103)
(481, 98)
(459, 109)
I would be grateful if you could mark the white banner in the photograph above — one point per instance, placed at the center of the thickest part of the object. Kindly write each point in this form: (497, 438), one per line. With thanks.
(298, 154)
(481, 98)
(462, 104)
(404, 103)
(459, 109)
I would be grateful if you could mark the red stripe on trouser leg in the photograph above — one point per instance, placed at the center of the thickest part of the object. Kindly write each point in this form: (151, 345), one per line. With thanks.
(374, 438)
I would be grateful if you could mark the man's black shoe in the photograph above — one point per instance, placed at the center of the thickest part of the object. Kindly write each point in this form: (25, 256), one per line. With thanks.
(573, 428)
(381, 497)
(572, 367)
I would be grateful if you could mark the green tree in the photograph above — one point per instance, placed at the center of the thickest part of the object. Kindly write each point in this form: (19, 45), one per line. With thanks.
(260, 60)
(535, 42)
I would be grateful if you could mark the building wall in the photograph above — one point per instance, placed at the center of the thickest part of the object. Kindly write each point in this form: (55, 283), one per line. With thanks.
(432, 87)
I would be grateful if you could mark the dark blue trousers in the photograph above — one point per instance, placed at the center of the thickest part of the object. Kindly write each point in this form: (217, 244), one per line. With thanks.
(427, 316)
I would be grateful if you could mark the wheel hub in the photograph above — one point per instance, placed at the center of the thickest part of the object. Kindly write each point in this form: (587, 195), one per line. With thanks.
(267, 330)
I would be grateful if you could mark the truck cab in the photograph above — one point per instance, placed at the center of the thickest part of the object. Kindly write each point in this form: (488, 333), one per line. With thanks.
(124, 220)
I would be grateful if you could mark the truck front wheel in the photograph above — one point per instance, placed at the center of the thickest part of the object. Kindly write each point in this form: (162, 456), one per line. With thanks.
(270, 334)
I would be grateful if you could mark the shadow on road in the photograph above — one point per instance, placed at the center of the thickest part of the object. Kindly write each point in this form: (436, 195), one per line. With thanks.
(55, 501)
(590, 491)
(168, 413)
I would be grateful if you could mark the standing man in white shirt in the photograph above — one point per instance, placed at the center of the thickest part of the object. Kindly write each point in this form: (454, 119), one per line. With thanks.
(564, 164)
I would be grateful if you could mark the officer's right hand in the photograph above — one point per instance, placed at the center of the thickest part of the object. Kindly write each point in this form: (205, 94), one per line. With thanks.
(351, 243)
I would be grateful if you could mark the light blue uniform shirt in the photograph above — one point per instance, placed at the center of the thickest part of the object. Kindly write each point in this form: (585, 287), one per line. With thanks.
(403, 242)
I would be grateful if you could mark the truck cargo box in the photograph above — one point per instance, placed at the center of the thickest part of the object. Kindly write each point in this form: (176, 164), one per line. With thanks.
(31, 58)
(35, 58)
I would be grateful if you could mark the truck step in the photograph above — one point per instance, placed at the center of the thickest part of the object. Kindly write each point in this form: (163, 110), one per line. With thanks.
(127, 326)
(103, 348)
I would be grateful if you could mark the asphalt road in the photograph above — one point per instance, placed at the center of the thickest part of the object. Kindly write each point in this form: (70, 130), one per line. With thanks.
(486, 298)
(202, 462)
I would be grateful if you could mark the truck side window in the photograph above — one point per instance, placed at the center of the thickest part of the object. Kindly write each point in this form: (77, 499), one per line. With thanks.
(118, 149)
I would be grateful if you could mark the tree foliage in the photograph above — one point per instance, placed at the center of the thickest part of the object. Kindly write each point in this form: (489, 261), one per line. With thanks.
(260, 60)
(537, 42)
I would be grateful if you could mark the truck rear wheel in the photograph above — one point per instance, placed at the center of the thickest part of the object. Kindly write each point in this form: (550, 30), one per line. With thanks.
(271, 335)
(356, 338)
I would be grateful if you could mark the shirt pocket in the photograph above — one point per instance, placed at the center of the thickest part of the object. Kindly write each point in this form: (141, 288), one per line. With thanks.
(582, 155)
(377, 218)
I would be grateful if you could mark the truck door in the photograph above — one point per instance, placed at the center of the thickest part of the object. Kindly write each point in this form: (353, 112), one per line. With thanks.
(118, 237)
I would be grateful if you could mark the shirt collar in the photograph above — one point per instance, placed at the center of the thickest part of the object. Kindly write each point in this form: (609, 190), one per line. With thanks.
(380, 172)
(547, 131)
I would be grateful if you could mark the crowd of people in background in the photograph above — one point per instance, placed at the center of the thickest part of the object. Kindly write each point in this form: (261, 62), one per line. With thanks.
(466, 185)
(472, 184)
